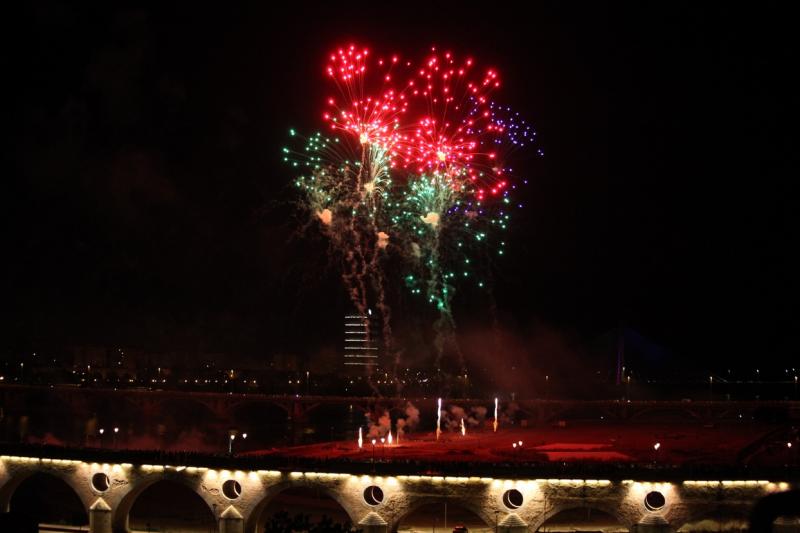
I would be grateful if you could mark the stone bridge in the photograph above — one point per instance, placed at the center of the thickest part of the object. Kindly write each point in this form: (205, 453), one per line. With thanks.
(223, 406)
(237, 498)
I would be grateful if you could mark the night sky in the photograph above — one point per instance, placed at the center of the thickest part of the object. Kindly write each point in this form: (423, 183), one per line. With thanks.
(146, 204)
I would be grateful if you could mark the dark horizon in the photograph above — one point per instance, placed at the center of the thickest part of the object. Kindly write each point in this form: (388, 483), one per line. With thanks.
(149, 206)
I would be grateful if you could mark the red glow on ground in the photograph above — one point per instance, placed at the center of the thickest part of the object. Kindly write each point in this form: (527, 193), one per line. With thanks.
(578, 441)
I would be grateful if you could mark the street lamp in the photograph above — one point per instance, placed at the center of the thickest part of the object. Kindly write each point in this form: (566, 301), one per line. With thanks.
(231, 437)
(101, 436)
(373, 451)
(116, 430)
(758, 384)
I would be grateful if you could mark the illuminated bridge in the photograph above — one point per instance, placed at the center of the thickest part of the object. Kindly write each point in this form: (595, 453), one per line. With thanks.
(236, 492)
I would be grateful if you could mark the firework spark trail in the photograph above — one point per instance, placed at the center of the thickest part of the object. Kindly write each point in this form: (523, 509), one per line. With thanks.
(386, 321)
(331, 191)
(352, 229)
(426, 212)
(358, 262)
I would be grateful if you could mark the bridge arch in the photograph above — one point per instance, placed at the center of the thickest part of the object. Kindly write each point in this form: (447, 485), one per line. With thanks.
(186, 420)
(282, 409)
(715, 518)
(359, 409)
(458, 509)
(46, 496)
(257, 519)
(265, 420)
(337, 421)
(670, 413)
(122, 510)
(571, 511)
(579, 411)
(50, 420)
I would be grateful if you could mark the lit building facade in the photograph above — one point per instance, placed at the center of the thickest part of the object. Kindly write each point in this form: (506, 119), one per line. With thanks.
(360, 347)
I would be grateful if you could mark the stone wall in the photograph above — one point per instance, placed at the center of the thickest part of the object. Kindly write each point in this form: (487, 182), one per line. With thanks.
(108, 492)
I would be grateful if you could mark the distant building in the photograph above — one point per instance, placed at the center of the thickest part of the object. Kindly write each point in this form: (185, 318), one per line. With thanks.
(360, 346)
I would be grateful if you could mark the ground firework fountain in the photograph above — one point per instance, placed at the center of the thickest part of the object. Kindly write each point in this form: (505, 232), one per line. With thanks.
(438, 418)
(494, 424)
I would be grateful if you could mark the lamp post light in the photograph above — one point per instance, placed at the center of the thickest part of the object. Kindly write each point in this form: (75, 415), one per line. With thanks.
(656, 447)
(373, 452)
(116, 431)
(758, 384)
(231, 437)
(101, 436)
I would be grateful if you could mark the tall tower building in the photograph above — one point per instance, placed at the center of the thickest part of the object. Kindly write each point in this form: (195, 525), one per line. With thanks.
(360, 346)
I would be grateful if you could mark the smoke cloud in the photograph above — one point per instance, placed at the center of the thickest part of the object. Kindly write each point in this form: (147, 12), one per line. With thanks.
(431, 218)
(325, 216)
(381, 428)
(383, 239)
(410, 421)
